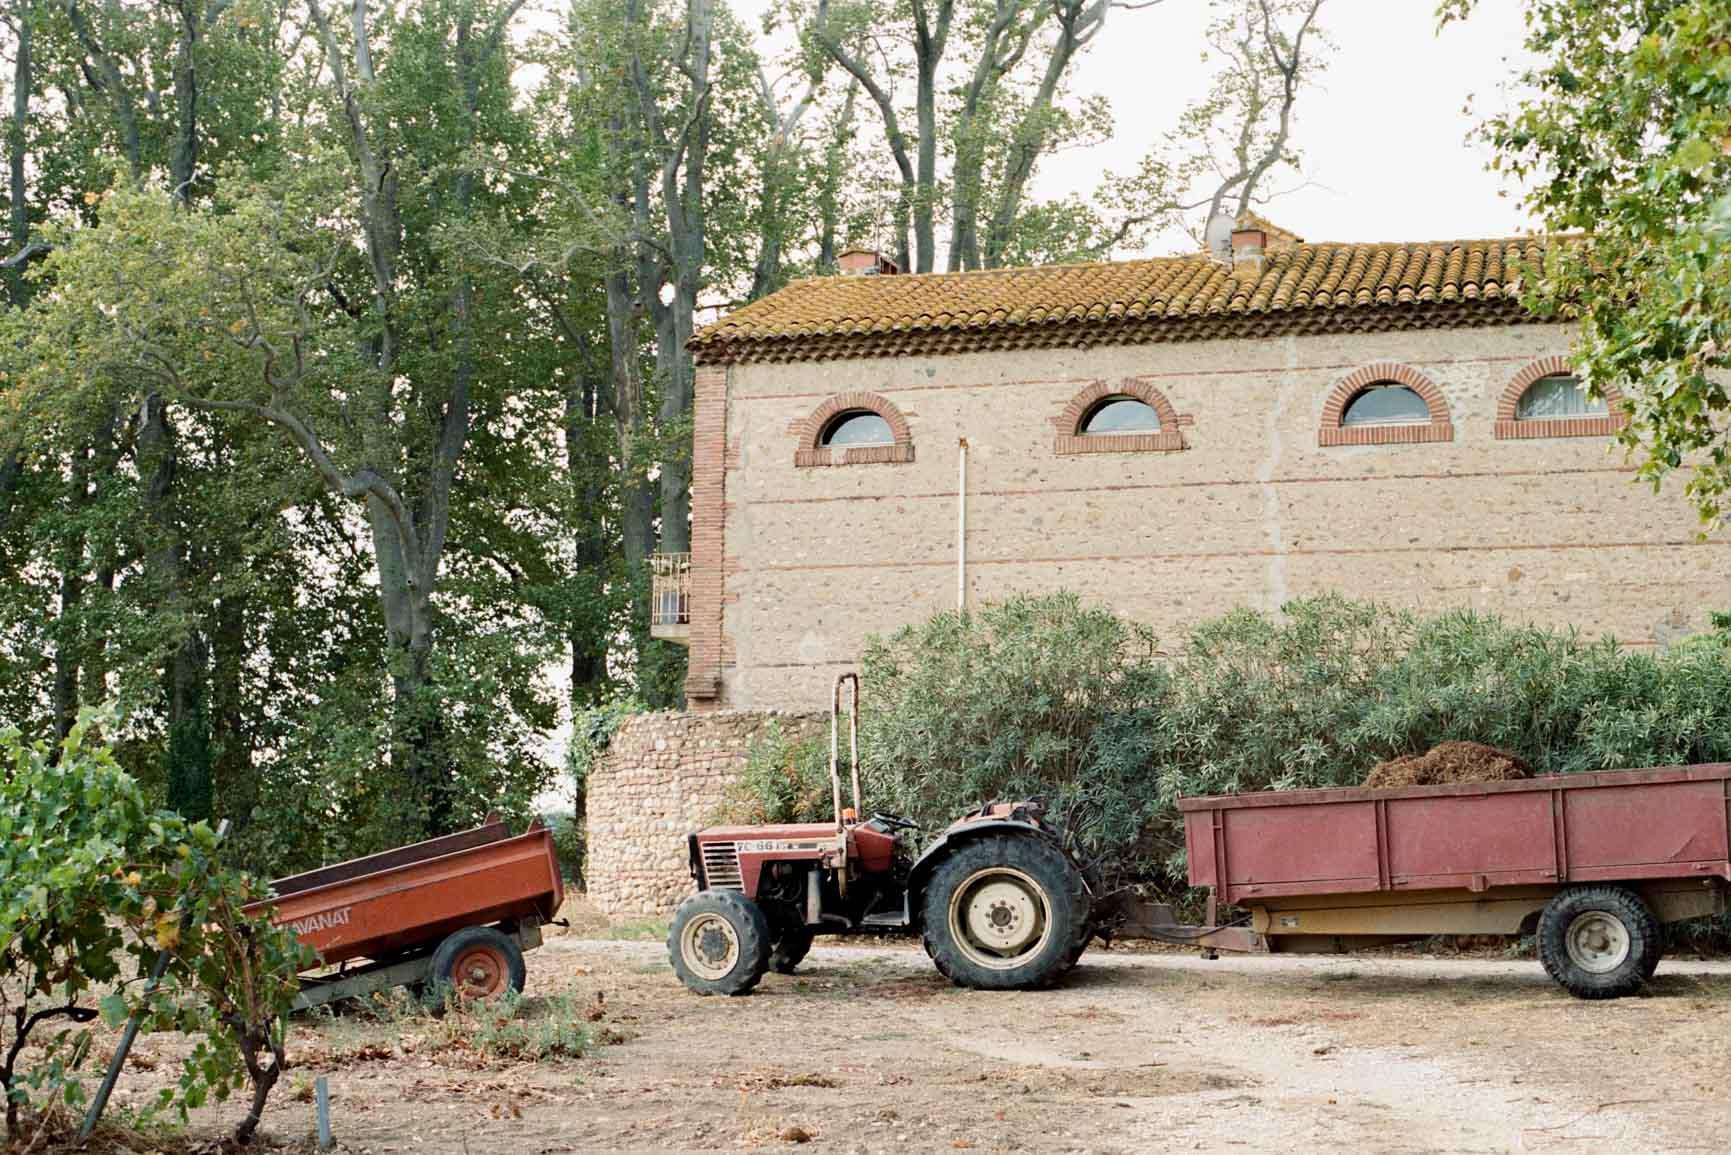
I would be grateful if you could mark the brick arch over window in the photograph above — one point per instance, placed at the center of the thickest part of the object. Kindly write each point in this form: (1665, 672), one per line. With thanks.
(1509, 427)
(1438, 428)
(1068, 424)
(810, 450)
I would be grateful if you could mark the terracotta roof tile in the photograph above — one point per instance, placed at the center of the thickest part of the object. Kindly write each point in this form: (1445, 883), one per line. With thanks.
(1303, 288)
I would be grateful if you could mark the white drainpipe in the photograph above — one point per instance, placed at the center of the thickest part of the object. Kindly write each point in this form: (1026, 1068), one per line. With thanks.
(962, 527)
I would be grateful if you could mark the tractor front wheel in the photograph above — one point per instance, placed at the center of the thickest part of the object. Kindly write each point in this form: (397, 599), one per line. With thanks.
(719, 943)
(1005, 912)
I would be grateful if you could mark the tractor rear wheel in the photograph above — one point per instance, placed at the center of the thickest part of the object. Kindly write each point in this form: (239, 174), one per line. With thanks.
(790, 949)
(1005, 912)
(719, 943)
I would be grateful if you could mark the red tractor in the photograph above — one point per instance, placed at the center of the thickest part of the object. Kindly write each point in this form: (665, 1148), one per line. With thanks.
(998, 899)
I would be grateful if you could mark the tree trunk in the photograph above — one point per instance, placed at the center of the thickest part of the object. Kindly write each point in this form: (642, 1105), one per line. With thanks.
(636, 499)
(17, 142)
(189, 770)
(1001, 47)
(893, 137)
(677, 388)
(1078, 22)
(834, 173)
(105, 460)
(107, 78)
(929, 39)
(417, 724)
(183, 153)
(235, 781)
(682, 202)
(68, 647)
(11, 477)
(584, 402)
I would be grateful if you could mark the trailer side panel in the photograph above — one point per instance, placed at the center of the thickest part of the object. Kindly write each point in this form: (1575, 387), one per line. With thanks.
(1623, 826)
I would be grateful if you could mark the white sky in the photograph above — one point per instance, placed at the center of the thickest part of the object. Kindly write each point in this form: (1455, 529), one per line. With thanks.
(1383, 133)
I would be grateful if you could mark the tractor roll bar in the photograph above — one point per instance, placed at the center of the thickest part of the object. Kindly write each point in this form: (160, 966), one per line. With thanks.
(852, 682)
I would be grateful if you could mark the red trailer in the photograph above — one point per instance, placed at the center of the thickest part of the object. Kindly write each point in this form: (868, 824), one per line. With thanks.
(1591, 864)
(458, 910)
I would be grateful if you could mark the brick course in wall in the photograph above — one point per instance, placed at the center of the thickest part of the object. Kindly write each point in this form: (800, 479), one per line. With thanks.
(663, 777)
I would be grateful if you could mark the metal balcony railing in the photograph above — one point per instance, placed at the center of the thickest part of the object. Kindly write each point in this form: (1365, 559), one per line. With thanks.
(669, 595)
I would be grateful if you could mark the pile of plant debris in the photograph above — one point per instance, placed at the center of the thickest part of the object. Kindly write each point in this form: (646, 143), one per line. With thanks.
(1449, 762)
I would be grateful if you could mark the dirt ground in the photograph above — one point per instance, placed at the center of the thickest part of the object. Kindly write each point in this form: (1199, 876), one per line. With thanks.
(868, 1049)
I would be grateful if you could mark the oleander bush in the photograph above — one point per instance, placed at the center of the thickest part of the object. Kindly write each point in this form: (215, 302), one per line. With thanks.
(785, 779)
(1044, 695)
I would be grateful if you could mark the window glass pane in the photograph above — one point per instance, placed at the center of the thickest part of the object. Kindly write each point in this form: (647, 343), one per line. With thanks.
(859, 428)
(1122, 415)
(1559, 395)
(1386, 405)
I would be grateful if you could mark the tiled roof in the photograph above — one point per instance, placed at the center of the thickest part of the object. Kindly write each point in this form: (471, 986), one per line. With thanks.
(1304, 288)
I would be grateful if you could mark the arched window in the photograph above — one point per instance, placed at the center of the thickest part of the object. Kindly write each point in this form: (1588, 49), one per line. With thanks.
(1386, 403)
(1558, 395)
(1127, 416)
(1120, 414)
(853, 429)
(858, 428)
(1547, 399)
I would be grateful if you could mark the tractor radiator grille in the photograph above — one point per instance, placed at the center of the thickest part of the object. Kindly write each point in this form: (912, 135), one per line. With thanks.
(721, 866)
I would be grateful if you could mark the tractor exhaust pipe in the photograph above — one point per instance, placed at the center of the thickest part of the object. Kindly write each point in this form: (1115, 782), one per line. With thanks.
(852, 682)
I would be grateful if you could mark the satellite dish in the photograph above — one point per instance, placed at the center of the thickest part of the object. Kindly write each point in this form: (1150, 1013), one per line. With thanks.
(1217, 237)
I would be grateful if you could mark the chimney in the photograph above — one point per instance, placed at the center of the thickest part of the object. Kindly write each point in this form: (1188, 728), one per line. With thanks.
(865, 263)
(1247, 247)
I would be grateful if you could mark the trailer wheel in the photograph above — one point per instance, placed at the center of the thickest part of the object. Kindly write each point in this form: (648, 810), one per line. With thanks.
(477, 962)
(1005, 913)
(719, 943)
(1599, 942)
(790, 950)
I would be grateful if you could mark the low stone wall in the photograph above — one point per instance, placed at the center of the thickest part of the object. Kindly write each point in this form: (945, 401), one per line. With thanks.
(662, 777)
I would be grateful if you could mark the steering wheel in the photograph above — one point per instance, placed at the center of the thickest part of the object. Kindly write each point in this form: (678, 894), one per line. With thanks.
(895, 822)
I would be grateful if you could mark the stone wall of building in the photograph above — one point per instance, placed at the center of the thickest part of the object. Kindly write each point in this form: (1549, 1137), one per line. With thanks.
(1246, 500)
(662, 777)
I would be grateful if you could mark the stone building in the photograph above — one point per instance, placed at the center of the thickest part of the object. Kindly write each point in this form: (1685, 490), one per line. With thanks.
(1171, 437)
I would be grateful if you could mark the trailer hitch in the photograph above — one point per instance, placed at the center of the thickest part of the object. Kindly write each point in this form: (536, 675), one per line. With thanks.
(1126, 914)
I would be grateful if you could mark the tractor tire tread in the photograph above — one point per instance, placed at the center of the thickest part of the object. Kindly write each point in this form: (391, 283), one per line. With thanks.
(749, 924)
(1040, 858)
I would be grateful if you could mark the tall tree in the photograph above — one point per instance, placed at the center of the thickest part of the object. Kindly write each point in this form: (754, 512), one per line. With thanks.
(837, 29)
(1625, 137)
(680, 152)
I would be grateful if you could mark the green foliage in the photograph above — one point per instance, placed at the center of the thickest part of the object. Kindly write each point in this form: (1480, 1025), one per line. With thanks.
(1001, 702)
(1043, 696)
(570, 846)
(91, 876)
(592, 732)
(783, 780)
(516, 1029)
(1624, 140)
